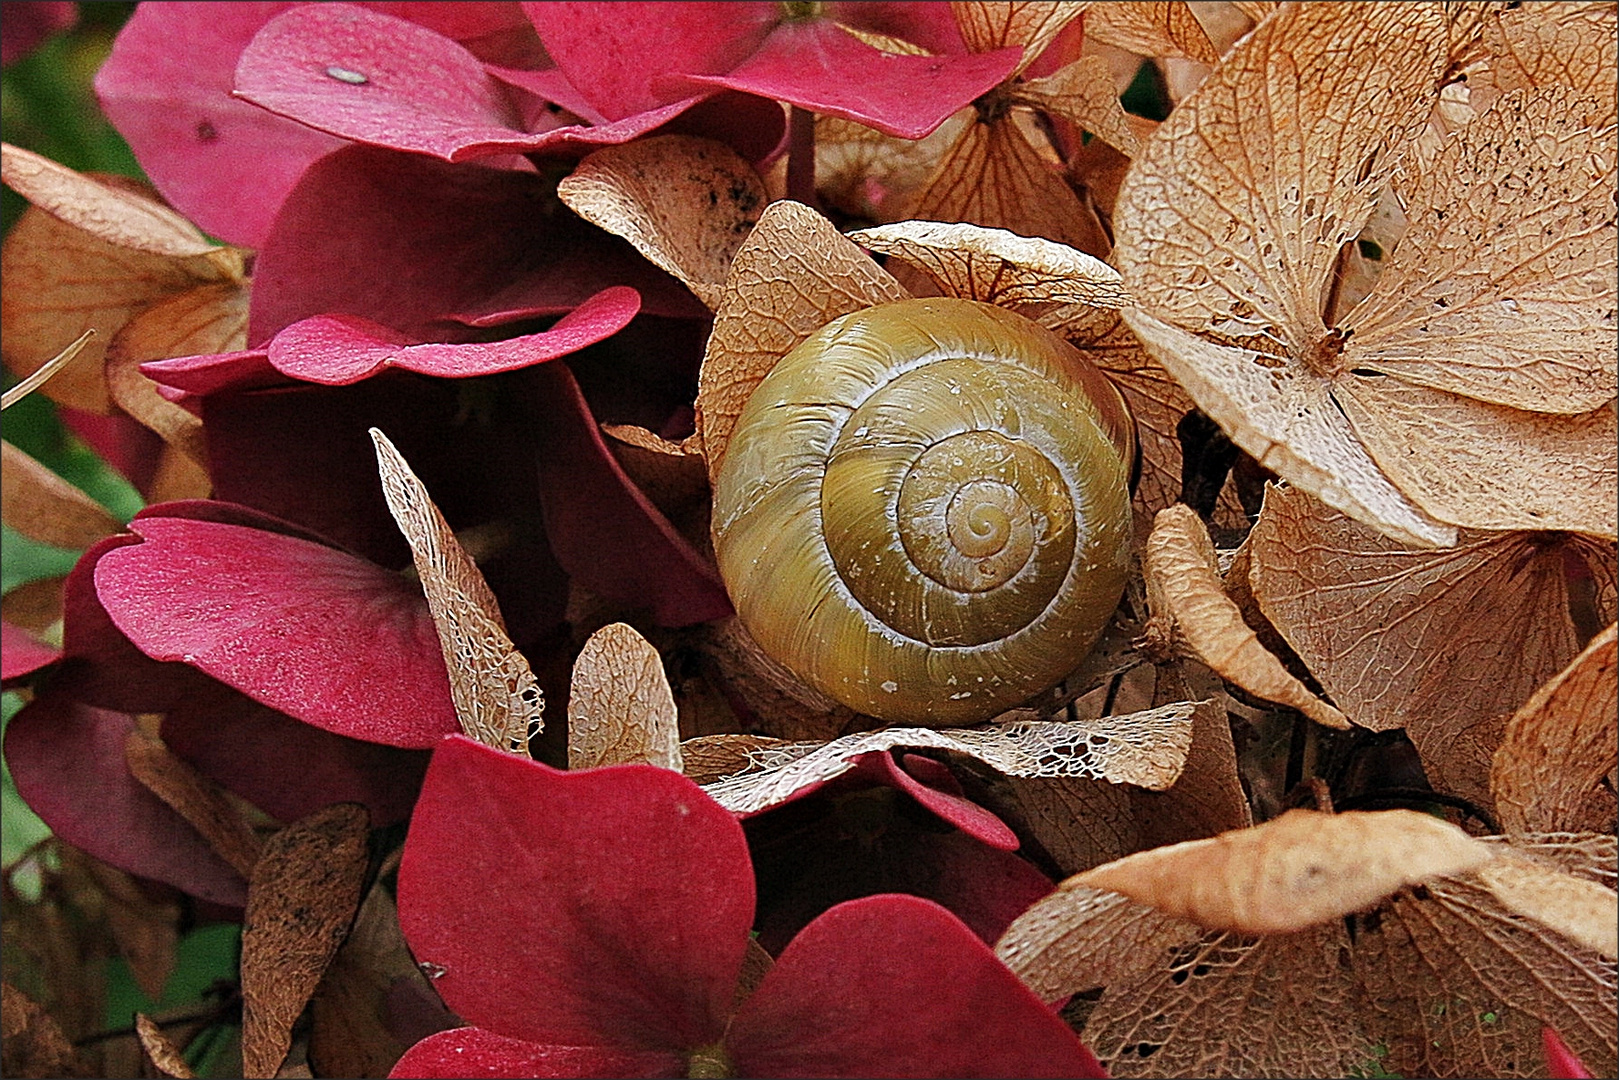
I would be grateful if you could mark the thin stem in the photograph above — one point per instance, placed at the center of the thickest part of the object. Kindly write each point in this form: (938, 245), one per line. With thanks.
(801, 156)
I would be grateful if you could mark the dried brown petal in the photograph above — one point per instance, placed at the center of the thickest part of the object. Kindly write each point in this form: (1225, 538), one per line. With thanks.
(1560, 746)
(33, 382)
(992, 177)
(1145, 748)
(1152, 29)
(300, 901)
(44, 507)
(160, 1050)
(145, 927)
(195, 797)
(673, 475)
(1207, 798)
(1183, 587)
(33, 1042)
(620, 707)
(206, 319)
(996, 266)
(684, 202)
(1581, 910)
(863, 172)
(708, 758)
(1411, 638)
(117, 215)
(1077, 821)
(496, 696)
(1230, 224)
(34, 605)
(1555, 44)
(987, 25)
(1292, 872)
(61, 281)
(1084, 92)
(794, 274)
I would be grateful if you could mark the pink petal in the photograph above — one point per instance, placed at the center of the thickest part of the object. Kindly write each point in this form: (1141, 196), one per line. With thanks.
(287, 768)
(21, 653)
(821, 67)
(933, 785)
(336, 350)
(439, 244)
(474, 1052)
(214, 373)
(607, 908)
(1561, 1062)
(897, 986)
(932, 26)
(312, 631)
(68, 763)
(615, 55)
(464, 22)
(605, 531)
(30, 22)
(166, 87)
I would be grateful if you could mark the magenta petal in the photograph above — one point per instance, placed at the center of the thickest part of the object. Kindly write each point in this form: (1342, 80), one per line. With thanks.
(930, 783)
(377, 79)
(1561, 1062)
(213, 373)
(317, 633)
(821, 67)
(897, 986)
(474, 1052)
(21, 653)
(605, 531)
(336, 350)
(614, 55)
(605, 908)
(68, 763)
(288, 768)
(166, 87)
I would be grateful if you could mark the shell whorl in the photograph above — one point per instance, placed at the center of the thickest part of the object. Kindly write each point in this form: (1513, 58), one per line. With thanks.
(924, 510)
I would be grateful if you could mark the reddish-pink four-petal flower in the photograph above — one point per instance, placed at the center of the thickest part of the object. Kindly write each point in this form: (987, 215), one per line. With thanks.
(594, 923)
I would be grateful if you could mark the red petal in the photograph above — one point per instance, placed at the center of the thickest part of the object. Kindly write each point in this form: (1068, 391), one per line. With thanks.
(439, 244)
(287, 768)
(214, 373)
(930, 783)
(68, 763)
(312, 631)
(897, 986)
(822, 67)
(605, 531)
(614, 55)
(336, 350)
(474, 1052)
(21, 653)
(224, 163)
(606, 908)
(1561, 1062)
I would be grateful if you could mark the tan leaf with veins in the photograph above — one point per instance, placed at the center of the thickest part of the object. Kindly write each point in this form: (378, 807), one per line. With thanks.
(996, 266)
(1583, 911)
(792, 275)
(620, 707)
(1555, 44)
(206, 319)
(987, 25)
(44, 507)
(61, 281)
(496, 696)
(1145, 748)
(121, 216)
(684, 202)
(164, 1057)
(1411, 638)
(1292, 872)
(1193, 611)
(1229, 227)
(300, 901)
(1560, 746)
(1152, 29)
(1079, 822)
(1085, 93)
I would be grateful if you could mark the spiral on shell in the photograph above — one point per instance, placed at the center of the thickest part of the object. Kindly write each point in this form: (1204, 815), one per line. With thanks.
(924, 510)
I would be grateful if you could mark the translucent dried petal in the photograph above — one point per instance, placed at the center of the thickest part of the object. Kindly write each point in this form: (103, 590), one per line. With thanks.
(794, 274)
(1560, 746)
(1084, 92)
(685, 203)
(997, 266)
(1152, 29)
(1555, 44)
(1183, 589)
(1581, 910)
(986, 25)
(44, 507)
(496, 696)
(620, 707)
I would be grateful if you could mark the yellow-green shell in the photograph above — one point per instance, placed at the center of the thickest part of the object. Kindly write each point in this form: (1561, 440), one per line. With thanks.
(924, 510)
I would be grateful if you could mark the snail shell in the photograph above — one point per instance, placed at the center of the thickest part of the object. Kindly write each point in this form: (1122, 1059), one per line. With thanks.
(924, 510)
